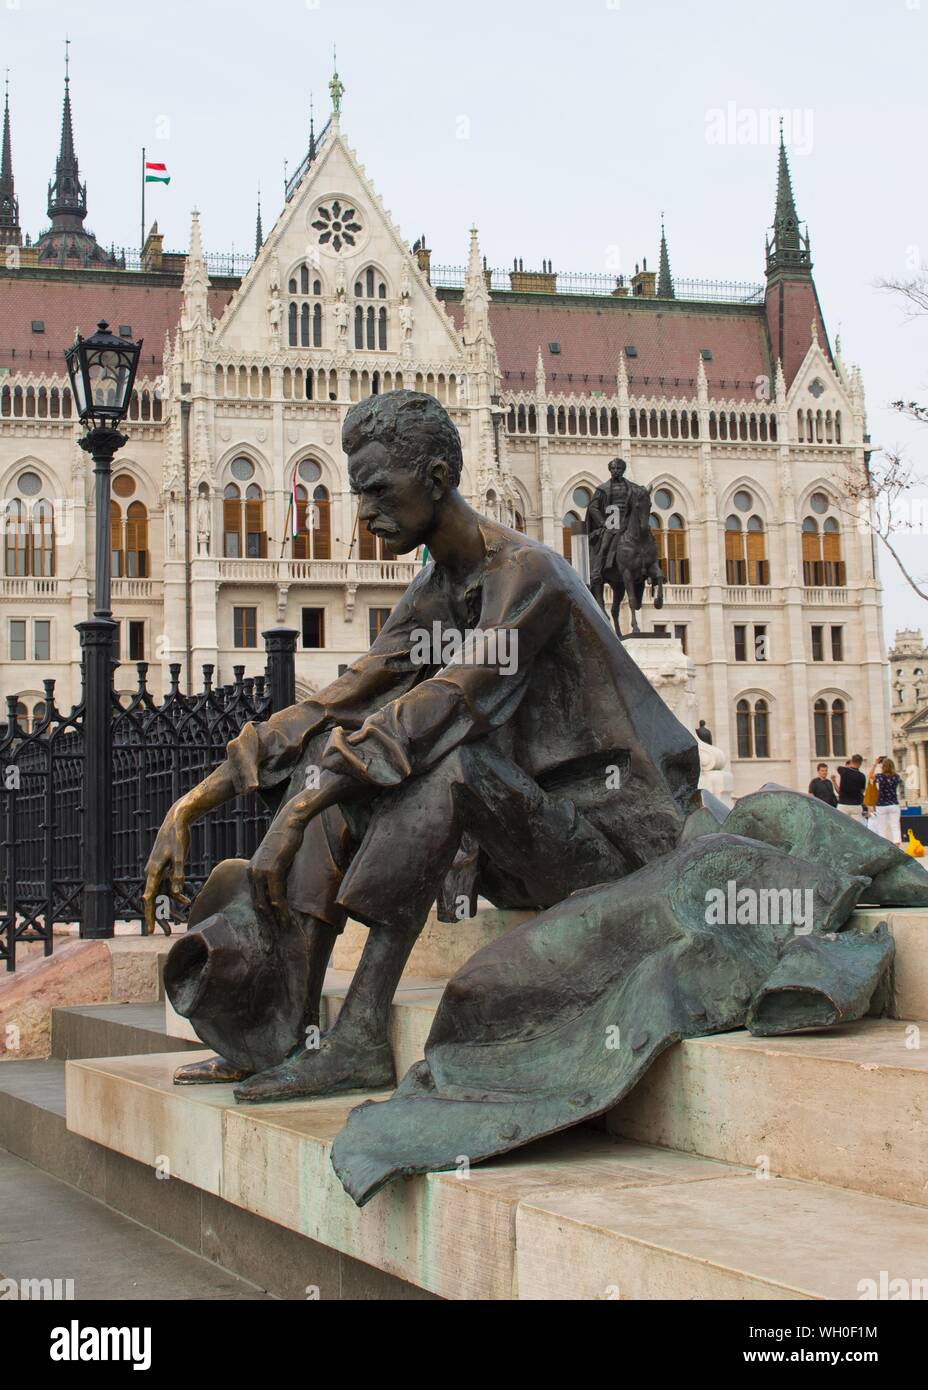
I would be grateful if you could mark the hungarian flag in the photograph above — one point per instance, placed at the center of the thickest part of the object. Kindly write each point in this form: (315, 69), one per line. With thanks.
(156, 173)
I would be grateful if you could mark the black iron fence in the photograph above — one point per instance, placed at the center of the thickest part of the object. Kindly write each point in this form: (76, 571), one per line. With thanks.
(50, 828)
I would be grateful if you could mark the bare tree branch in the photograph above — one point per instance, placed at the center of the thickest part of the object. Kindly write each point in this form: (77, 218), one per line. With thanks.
(914, 292)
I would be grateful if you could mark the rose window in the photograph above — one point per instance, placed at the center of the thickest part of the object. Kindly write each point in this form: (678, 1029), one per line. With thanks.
(337, 225)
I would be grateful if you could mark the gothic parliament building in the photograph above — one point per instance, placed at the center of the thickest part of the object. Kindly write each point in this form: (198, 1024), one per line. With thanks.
(231, 511)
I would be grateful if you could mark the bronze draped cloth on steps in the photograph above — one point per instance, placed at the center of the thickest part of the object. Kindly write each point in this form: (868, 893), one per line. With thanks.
(555, 1022)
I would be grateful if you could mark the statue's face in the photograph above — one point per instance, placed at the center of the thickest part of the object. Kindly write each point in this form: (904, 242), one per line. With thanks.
(396, 504)
(617, 468)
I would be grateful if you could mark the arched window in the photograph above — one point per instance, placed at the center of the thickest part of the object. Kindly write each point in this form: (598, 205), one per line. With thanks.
(829, 721)
(304, 313)
(129, 555)
(572, 537)
(43, 538)
(669, 531)
(29, 530)
(15, 538)
(736, 567)
(745, 544)
(243, 514)
(137, 541)
(752, 725)
(758, 564)
(370, 322)
(822, 562)
(322, 530)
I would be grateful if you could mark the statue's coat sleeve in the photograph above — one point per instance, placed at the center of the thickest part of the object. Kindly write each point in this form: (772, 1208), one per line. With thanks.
(264, 755)
(523, 607)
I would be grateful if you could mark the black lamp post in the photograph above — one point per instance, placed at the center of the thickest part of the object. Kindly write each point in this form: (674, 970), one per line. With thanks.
(102, 370)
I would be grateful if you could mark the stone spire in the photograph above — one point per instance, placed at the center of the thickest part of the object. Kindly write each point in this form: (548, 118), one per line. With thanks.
(312, 131)
(67, 196)
(789, 249)
(10, 231)
(195, 288)
(664, 279)
(259, 230)
(541, 384)
(702, 382)
(621, 376)
(476, 297)
(67, 240)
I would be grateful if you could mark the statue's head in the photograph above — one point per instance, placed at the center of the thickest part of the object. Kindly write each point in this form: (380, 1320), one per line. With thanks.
(404, 459)
(617, 468)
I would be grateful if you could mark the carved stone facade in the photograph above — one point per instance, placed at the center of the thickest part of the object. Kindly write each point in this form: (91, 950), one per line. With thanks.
(771, 587)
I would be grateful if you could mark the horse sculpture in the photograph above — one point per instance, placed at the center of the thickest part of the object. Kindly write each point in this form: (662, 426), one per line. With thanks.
(627, 560)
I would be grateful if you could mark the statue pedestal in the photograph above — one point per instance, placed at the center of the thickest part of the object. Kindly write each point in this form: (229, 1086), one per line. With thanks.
(673, 675)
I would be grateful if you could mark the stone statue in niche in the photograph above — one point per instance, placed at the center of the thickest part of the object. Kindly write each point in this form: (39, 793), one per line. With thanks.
(406, 321)
(500, 733)
(170, 519)
(203, 523)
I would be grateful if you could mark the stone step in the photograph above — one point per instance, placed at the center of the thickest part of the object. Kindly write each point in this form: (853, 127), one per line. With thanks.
(848, 1106)
(124, 969)
(909, 929)
(845, 1106)
(578, 1215)
(243, 1246)
(80, 1249)
(111, 1030)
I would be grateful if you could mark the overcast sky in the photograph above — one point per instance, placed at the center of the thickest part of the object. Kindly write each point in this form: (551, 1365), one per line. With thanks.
(561, 129)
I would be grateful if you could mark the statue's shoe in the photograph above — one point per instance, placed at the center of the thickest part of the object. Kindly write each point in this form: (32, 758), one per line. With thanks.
(333, 1067)
(212, 1071)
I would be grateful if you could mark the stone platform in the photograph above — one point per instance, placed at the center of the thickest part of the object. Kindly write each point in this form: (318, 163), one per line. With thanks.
(739, 1168)
(126, 968)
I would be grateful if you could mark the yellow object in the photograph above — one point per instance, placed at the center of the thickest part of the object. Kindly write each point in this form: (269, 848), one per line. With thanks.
(914, 847)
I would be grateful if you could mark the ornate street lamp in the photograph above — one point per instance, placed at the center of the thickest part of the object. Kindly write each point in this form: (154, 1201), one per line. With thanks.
(102, 370)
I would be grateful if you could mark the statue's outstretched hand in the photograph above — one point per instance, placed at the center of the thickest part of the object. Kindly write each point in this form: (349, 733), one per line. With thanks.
(167, 857)
(271, 862)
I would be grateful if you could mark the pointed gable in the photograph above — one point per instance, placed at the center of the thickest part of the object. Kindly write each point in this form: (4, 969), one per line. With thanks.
(335, 224)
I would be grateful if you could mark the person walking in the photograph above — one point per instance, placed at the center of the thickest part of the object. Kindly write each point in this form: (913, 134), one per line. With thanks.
(887, 814)
(851, 784)
(823, 787)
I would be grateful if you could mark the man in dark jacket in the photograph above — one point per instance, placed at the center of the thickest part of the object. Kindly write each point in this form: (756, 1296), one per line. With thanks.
(822, 786)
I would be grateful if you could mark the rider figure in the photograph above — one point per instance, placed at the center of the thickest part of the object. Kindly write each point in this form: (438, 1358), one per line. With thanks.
(607, 521)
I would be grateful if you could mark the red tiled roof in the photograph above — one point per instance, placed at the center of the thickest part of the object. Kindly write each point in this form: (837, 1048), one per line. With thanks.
(669, 340)
(79, 301)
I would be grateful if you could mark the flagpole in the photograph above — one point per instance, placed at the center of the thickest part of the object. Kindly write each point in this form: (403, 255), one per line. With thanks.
(287, 528)
(354, 530)
(142, 243)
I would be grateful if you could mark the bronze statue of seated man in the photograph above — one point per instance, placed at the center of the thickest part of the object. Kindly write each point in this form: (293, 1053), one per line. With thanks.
(496, 704)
